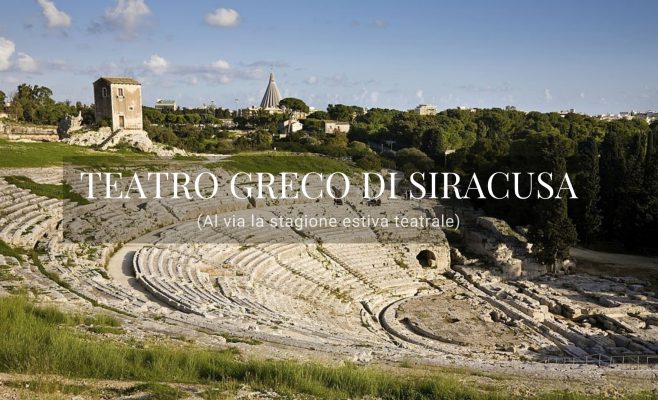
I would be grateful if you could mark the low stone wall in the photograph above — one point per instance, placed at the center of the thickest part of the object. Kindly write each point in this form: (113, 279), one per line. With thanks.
(14, 131)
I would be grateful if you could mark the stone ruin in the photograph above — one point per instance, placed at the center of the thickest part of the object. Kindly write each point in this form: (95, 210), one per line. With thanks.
(320, 288)
(69, 124)
(506, 248)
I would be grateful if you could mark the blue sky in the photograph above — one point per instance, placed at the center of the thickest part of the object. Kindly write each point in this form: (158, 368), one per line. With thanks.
(594, 56)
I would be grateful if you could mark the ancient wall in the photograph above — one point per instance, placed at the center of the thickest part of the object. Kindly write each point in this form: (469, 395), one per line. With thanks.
(13, 131)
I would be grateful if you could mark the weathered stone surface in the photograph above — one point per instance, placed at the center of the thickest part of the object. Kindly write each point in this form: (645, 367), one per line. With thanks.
(15, 131)
(68, 125)
(105, 139)
(495, 240)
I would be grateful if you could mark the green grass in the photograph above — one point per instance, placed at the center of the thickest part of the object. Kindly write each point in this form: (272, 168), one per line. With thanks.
(7, 276)
(40, 340)
(179, 157)
(9, 251)
(277, 162)
(155, 391)
(50, 388)
(33, 155)
(63, 191)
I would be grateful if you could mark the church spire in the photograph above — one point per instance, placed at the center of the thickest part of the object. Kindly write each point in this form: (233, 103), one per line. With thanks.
(272, 97)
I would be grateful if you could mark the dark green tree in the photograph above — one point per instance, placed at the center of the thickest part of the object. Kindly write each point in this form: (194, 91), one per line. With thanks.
(412, 160)
(294, 104)
(369, 162)
(319, 115)
(585, 210)
(552, 232)
(341, 112)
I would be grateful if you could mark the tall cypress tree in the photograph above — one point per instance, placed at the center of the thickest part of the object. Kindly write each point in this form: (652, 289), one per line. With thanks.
(552, 232)
(649, 230)
(585, 210)
(613, 180)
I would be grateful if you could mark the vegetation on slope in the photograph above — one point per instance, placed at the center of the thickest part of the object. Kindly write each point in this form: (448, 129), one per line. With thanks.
(277, 162)
(42, 340)
(34, 155)
(63, 191)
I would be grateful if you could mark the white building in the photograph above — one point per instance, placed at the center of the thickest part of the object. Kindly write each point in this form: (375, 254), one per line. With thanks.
(290, 126)
(425, 109)
(169, 105)
(335, 127)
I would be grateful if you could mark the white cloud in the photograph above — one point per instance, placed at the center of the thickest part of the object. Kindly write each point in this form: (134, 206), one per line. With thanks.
(157, 64)
(54, 17)
(221, 64)
(223, 17)
(420, 95)
(25, 63)
(380, 23)
(312, 80)
(547, 95)
(7, 49)
(582, 95)
(127, 15)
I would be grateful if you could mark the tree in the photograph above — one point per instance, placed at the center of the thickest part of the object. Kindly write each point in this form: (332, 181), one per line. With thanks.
(585, 210)
(649, 230)
(411, 160)
(294, 104)
(34, 104)
(319, 115)
(3, 97)
(341, 112)
(358, 149)
(258, 140)
(369, 162)
(152, 115)
(552, 232)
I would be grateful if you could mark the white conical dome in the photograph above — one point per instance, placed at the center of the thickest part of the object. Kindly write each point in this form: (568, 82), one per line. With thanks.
(272, 97)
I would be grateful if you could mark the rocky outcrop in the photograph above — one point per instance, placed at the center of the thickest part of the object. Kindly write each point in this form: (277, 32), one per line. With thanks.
(507, 249)
(105, 139)
(68, 125)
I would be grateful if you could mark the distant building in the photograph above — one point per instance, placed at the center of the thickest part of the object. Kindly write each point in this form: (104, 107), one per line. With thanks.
(648, 116)
(166, 105)
(290, 126)
(119, 100)
(425, 109)
(335, 127)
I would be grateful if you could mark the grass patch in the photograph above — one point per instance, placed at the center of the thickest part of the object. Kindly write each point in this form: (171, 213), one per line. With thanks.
(154, 391)
(277, 162)
(7, 276)
(35, 340)
(180, 157)
(8, 251)
(238, 339)
(62, 192)
(33, 155)
(48, 386)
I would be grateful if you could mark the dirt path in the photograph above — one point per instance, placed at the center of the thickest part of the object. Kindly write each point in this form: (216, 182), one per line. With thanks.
(614, 264)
